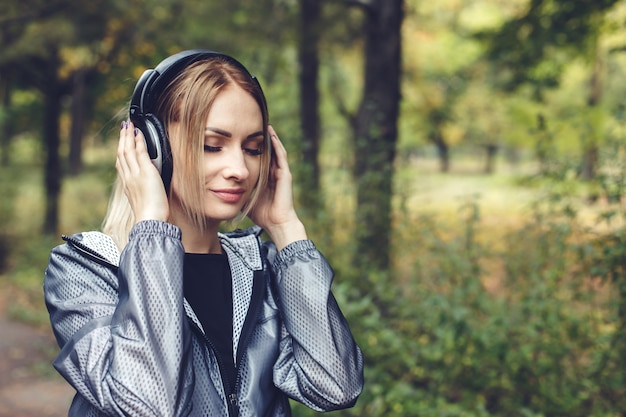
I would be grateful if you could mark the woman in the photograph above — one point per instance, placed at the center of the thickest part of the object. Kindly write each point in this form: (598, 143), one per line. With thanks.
(162, 315)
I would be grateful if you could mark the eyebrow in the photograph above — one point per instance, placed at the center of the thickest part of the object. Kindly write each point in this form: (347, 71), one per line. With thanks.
(228, 134)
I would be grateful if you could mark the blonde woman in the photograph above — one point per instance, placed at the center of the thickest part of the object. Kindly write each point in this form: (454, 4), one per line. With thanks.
(162, 315)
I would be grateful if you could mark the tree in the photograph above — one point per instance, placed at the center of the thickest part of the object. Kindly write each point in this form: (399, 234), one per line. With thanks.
(438, 115)
(439, 74)
(52, 89)
(36, 56)
(524, 49)
(5, 120)
(308, 60)
(532, 49)
(376, 132)
(591, 146)
(56, 48)
(78, 110)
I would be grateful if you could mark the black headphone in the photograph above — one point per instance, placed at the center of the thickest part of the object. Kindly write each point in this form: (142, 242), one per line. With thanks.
(148, 89)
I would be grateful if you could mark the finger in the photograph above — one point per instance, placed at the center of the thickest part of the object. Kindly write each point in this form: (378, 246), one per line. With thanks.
(280, 153)
(122, 152)
(138, 138)
(143, 157)
(141, 149)
(134, 149)
(276, 143)
(132, 154)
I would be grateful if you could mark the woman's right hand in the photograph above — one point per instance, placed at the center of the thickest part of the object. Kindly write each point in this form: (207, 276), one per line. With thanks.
(142, 182)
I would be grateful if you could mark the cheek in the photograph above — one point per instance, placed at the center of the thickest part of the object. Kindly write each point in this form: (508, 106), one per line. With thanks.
(254, 167)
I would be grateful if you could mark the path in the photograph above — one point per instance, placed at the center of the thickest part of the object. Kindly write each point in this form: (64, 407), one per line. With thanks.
(28, 386)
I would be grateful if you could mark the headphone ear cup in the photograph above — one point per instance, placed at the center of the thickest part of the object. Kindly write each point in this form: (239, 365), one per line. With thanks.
(157, 138)
(150, 137)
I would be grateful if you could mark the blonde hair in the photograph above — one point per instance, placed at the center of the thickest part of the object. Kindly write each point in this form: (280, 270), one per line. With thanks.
(186, 102)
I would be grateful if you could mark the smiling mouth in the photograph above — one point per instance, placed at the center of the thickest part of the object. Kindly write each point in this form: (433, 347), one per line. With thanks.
(229, 196)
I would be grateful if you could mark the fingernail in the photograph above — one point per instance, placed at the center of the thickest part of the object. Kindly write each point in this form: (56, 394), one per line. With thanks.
(122, 125)
(136, 131)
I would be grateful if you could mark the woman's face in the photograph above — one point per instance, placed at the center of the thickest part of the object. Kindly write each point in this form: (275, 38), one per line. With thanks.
(233, 143)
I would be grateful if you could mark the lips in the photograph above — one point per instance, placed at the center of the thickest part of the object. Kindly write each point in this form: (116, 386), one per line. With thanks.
(229, 195)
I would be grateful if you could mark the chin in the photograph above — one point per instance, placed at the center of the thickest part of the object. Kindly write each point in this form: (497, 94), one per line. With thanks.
(222, 215)
(217, 210)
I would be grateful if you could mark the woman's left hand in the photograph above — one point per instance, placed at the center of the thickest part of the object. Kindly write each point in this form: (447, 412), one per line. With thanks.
(274, 210)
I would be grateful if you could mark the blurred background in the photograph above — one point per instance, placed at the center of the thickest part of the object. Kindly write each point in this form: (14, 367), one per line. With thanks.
(460, 162)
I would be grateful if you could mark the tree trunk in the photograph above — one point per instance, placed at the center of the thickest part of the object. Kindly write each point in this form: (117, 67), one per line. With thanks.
(5, 120)
(376, 134)
(77, 129)
(591, 149)
(544, 145)
(491, 150)
(51, 138)
(443, 150)
(309, 104)
(590, 161)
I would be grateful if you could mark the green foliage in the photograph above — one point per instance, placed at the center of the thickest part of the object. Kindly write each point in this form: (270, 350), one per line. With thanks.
(8, 189)
(24, 250)
(472, 320)
(515, 328)
(535, 46)
(22, 257)
(25, 279)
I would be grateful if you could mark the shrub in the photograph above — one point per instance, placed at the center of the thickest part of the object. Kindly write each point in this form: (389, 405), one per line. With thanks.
(442, 342)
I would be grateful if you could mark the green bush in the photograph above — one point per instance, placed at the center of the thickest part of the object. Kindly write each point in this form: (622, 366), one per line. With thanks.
(442, 343)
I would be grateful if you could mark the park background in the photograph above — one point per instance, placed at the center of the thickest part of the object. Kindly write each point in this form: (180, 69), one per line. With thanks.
(460, 163)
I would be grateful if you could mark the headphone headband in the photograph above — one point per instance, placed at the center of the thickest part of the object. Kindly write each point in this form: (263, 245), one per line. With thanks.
(153, 81)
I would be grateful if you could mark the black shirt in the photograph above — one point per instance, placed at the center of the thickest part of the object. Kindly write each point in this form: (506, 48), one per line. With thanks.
(208, 288)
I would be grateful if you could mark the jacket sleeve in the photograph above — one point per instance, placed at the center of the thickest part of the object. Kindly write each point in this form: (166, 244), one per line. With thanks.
(125, 342)
(319, 363)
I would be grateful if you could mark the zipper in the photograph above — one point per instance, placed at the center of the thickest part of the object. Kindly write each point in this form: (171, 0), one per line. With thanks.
(250, 321)
(231, 393)
(88, 252)
(258, 284)
(232, 403)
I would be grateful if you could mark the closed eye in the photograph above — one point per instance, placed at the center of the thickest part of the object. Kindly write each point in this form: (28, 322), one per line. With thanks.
(254, 145)
(254, 151)
(208, 148)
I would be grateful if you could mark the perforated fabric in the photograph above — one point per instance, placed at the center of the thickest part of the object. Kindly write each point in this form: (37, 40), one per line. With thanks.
(241, 267)
(131, 345)
(106, 246)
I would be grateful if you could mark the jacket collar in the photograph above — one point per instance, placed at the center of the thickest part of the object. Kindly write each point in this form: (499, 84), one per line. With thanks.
(241, 246)
(245, 245)
(97, 246)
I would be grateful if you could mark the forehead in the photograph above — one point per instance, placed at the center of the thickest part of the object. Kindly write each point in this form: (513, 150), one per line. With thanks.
(234, 107)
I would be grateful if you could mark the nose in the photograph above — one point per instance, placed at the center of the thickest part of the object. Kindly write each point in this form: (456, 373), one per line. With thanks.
(235, 166)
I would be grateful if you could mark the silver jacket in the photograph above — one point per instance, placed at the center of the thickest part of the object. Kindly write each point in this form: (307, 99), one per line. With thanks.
(131, 345)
